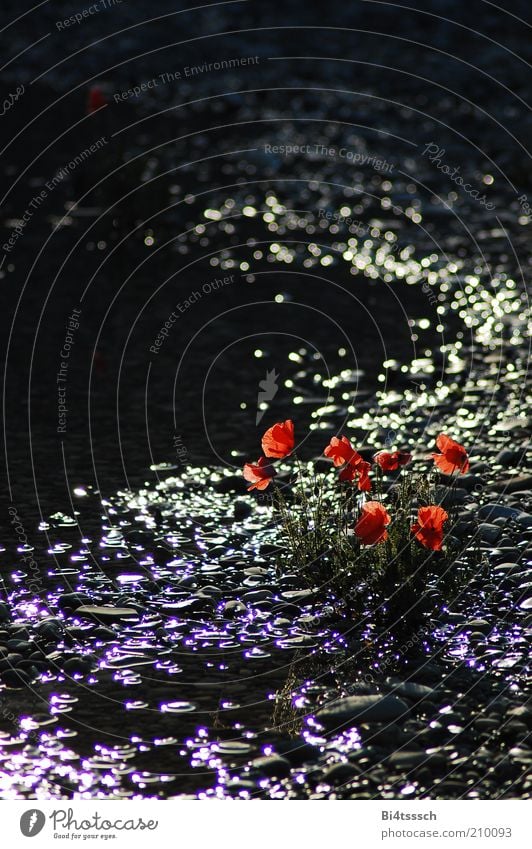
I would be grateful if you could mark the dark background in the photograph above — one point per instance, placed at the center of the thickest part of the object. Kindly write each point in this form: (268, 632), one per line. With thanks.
(456, 79)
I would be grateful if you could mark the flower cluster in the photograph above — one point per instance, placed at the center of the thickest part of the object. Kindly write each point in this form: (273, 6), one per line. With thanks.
(371, 527)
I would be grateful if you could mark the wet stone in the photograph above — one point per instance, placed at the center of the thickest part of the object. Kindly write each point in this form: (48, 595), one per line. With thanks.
(15, 678)
(412, 691)
(488, 532)
(358, 709)
(22, 646)
(497, 511)
(412, 759)
(242, 509)
(272, 765)
(234, 607)
(297, 752)
(71, 601)
(340, 773)
(106, 614)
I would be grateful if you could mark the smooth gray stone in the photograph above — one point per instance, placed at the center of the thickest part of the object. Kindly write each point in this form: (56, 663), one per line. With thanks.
(497, 511)
(412, 691)
(489, 533)
(410, 759)
(479, 625)
(524, 520)
(340, 773)
(516, 483)
(362, 709)
(272, 765)
(242, 509)
(106, 614)
(507, 457)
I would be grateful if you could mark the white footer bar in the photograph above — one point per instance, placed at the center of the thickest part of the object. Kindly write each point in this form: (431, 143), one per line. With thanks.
(241, 825)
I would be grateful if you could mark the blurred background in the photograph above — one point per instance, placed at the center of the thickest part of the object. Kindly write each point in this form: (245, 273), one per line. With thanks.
(184, 185)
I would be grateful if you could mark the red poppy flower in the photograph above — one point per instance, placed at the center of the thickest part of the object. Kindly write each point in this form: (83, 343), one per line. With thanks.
(341, 451)
(428, 529)
(358, 472)
(95, 99)
(453, 456)
(390, 461)
(278, 441)
(371, 526)
(259, 474)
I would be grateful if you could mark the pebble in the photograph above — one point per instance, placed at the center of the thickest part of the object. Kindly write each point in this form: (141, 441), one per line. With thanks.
(489, 533)
(357, 709)
(106, 614)
(71, 601)
(15, 678)
(340, 773)
(77, 665)
(516, 483)
(274, 766)
(497, 511)
(507, 457)
(412, 691)
(234, 607)
(242, 509)
(481, 625)
(411, 759)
